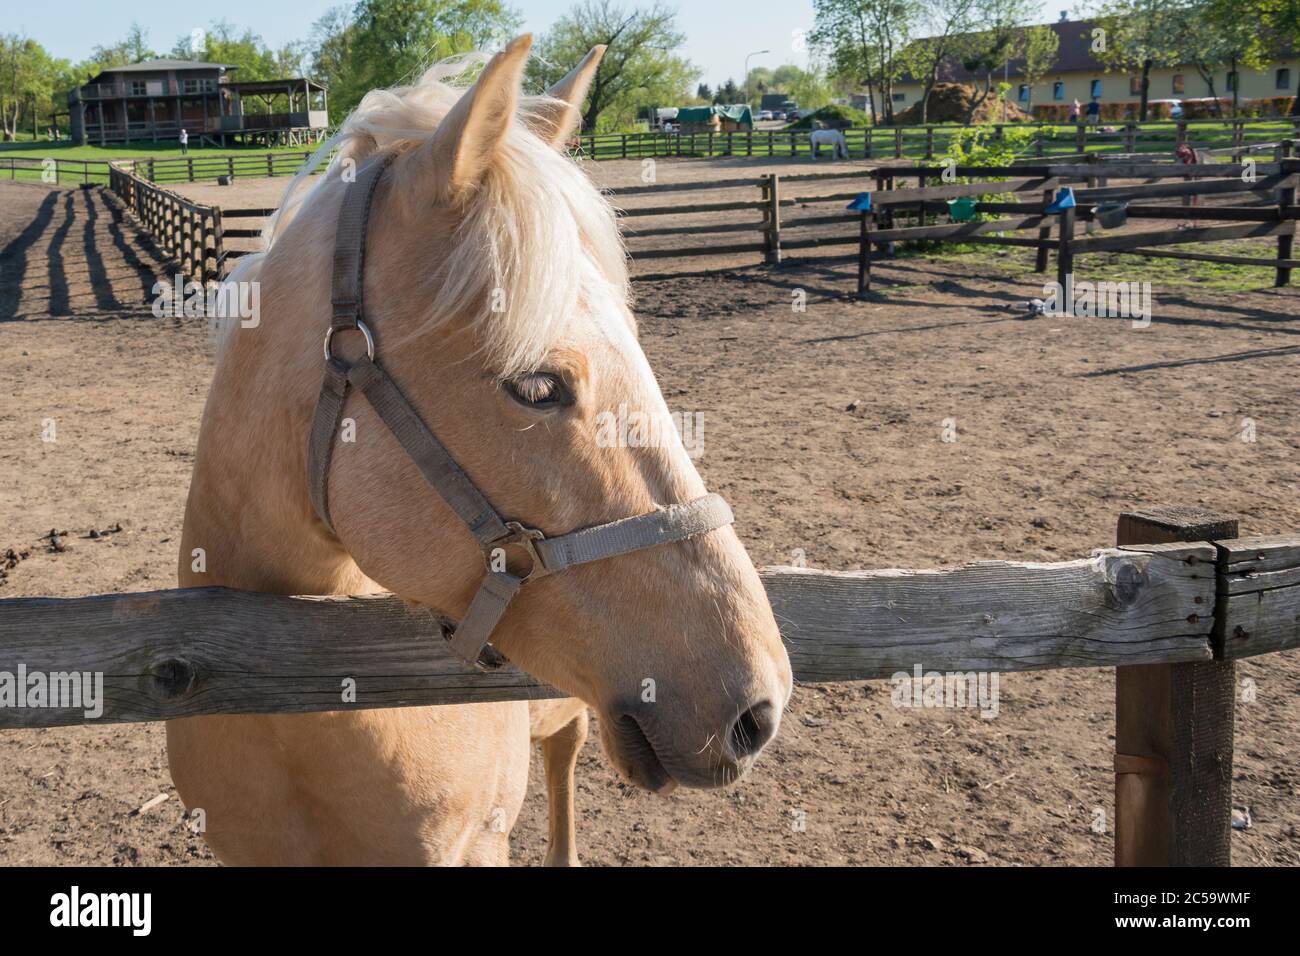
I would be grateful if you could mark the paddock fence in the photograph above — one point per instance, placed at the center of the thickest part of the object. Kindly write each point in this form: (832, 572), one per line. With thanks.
(931, 140)
(773, 217)
(1171, 607)
(187, 231)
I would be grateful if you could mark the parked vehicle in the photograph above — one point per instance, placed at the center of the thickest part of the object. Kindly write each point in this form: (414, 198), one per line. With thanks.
(1175, 107)
(765, 114)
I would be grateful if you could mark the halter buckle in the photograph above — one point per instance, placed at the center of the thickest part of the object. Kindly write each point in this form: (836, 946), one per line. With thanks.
(345, 327)
(527, 539)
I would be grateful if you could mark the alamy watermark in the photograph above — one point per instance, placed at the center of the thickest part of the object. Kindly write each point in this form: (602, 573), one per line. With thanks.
(935, 690)
(1113, 300)
(229, 300)
(62, 690)
(638, 429)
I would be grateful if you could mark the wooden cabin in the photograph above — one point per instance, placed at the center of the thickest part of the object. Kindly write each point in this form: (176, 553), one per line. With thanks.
(155, 99)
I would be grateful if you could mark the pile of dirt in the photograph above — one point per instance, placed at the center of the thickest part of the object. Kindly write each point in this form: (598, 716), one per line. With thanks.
(951, 103)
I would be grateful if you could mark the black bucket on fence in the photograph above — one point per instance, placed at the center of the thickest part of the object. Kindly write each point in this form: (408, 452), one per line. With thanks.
(1111, 215)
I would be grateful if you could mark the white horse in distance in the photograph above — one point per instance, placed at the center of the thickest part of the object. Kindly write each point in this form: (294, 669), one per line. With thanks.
(829, 137)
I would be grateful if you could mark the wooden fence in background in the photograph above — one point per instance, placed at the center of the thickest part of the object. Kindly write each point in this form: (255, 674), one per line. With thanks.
(1171, 615)
(928, 141)
(1158, 192)
(188, 232)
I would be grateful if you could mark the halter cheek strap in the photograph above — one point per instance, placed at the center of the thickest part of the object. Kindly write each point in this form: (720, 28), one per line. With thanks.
(471, 638)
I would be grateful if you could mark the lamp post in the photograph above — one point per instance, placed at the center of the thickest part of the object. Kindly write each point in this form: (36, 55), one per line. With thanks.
(747, 56)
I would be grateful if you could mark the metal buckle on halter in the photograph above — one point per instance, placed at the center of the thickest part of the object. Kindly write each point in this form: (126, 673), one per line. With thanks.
(526, 538)
(343, 327)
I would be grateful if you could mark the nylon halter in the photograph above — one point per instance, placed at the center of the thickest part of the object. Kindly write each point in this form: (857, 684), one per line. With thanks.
(471, 639)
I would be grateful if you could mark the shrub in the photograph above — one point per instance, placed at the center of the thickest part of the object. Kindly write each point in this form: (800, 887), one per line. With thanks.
(834, 117)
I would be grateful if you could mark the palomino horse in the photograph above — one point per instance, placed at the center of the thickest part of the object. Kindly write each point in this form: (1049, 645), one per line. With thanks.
(829, 137)
(495, 283)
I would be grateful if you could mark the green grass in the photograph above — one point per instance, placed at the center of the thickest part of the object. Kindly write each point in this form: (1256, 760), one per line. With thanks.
(142, 148)
(1181, 274)
(71, 171)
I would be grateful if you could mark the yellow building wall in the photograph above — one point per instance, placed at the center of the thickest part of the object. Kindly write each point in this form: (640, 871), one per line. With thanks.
(1255, 84)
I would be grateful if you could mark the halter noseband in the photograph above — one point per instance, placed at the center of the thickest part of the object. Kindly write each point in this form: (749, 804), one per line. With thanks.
(471, 639)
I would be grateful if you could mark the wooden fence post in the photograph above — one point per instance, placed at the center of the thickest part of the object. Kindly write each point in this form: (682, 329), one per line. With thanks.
(1044, 236)
(929, 144)
(218, 244)
(772, 187)
(898, 142)
(1285, 198)
(864, 255)
(1173, 731)
(1065, 256)
(1081, 138)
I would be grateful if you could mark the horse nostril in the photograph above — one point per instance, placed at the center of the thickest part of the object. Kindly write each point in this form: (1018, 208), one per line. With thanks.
(752, 730)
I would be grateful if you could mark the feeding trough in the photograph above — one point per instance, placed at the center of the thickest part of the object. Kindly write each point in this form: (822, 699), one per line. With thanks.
(961, 210)
(1111, 215)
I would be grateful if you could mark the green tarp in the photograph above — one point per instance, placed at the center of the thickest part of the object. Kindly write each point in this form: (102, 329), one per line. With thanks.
(702, 114)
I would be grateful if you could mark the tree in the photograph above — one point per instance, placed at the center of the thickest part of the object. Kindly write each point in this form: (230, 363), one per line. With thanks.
(1039, 46)
(1140, 35)
(223, 43)
(728, 93)
(946, 23)
(639, 66)
(27, 78)
(385, 43)
(704, 92)
(1217, 32)
(330, 43)
(862, 39)
(991, 49)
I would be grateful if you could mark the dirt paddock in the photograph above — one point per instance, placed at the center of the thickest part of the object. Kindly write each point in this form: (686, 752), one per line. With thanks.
(824, 428)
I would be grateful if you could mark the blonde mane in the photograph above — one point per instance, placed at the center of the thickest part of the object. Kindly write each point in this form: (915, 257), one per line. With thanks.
(538, 238)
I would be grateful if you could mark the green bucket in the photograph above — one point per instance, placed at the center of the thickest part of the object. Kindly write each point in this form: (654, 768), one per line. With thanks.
(1111, 215)
(961, 210)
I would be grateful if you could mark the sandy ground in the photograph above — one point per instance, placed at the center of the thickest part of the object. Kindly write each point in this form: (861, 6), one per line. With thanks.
(1061, 424)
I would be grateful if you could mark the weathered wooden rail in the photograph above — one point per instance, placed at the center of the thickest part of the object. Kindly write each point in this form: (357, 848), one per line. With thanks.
(195, 651)
(187, 231)
(1172, 616)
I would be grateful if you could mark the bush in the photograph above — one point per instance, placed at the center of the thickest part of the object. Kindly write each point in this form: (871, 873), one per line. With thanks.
(834, 117)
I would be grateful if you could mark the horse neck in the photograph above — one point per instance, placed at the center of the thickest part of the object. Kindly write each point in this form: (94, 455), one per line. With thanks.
(248, 507)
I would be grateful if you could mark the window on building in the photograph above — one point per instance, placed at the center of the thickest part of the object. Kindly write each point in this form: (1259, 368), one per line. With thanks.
(1231, 84)
(197, 86)
(1135, 85)
(1283, 79)
(900, 97)
(138, 88)
(1023, 93)
(1058, 90)
(1094, 88)
(1180, 83)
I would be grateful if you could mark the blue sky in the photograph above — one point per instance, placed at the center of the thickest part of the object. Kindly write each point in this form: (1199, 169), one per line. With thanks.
(720, 32)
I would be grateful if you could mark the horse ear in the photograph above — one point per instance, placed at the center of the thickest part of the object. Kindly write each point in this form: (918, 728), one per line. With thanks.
(465, 143)
(555, 118)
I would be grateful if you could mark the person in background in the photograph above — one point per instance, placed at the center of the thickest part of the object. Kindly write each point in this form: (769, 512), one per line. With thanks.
(185, 142)
(1075, 110)
(1094, 111)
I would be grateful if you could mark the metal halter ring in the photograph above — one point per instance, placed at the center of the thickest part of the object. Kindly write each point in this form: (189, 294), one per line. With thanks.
(365, 330)
(527, 539)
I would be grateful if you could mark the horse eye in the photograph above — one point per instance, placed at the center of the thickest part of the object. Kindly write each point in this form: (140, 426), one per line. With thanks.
(537, 390)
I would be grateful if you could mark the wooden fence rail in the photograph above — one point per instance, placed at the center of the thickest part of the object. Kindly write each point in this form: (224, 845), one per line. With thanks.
(188, 232)
(1227, 136)
(185, 652)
